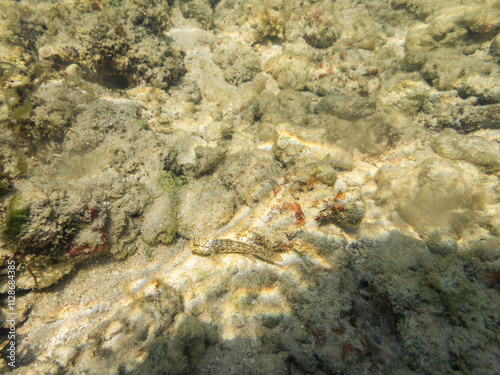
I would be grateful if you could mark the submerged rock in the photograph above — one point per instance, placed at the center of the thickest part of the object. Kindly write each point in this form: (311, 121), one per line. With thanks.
(345, 106)
(351, 146)
(205, 205)
(291, 150)
(344, 210)
(191, 156)
(473, 149)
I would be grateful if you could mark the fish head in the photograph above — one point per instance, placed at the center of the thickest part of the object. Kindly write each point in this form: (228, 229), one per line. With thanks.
(200, 246)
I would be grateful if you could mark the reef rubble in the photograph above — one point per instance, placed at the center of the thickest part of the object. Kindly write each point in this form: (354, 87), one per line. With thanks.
(339, 161)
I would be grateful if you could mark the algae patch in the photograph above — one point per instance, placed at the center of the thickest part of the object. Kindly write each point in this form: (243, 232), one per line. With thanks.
(16, 218)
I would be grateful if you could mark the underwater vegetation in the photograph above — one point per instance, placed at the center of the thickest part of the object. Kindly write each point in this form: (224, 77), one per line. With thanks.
(257, 187)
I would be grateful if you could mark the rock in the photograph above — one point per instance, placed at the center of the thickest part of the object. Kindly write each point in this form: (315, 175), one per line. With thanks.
(440, 242)
(192, 93)
(395, 186)
(63, 355)
(125, 219)
(447, 110)
(376, 137)
(272, 364)
(320, 30)
(242, 172)
(191, 156)
(454, 25)
(345, 106)
(160, 221)
(313, 129)
(294, 106)
(54, 110)
(473, 149)
(443, 70)
(98, 119)
(345, 210)
(267, 108)
(291, 73)
(442, 185)
(201, 10)
(441, 101)
(413, 60)
(471, 118)
(469, 50)
(495, 46)
(321, 171)
(126, 51)
(485, 88)
(239, 63)
(404, 93)
(205, 205)
(290, 149)
(42, 277)
(256, 21)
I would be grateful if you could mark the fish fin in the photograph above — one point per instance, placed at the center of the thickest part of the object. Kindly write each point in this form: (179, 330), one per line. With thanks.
(268, 257)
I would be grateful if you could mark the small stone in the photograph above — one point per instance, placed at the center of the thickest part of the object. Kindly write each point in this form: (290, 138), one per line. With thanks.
(469, 50)
(495, 46)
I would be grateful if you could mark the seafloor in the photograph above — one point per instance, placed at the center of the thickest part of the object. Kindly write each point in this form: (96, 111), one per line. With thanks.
(337, 162)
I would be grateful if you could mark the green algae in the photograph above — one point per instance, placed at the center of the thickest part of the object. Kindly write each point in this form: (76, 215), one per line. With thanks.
(21, 113)
(170, 182)
(16, 218)
(160, 222)
(114, 3)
